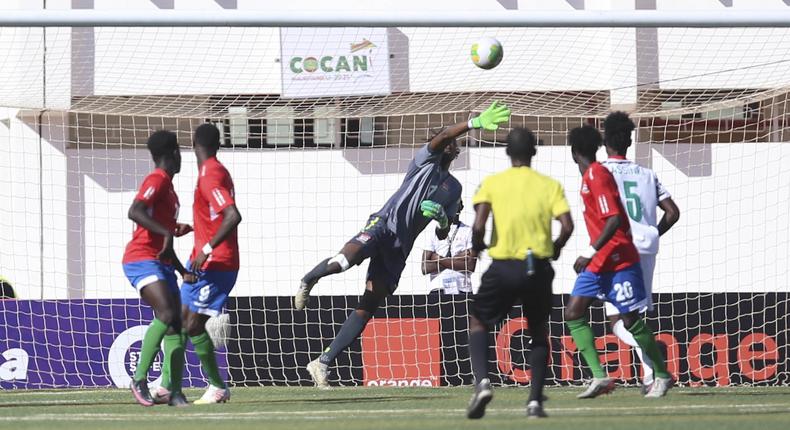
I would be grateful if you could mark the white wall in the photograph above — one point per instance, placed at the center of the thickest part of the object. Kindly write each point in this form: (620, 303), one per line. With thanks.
(301, 206)
(136, 61)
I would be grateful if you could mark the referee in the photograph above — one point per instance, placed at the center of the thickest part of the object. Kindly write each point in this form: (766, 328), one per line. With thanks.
(523, 203)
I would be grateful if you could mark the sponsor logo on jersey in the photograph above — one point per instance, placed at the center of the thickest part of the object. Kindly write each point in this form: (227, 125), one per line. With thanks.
(363, 238)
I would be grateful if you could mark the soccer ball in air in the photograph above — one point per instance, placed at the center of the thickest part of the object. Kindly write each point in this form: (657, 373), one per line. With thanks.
(486, 53)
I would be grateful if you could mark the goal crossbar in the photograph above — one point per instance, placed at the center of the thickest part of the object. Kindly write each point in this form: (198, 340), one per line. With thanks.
(402, 18)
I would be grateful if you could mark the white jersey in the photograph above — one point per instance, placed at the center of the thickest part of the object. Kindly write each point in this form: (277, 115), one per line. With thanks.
(458, 240)
(640, 192)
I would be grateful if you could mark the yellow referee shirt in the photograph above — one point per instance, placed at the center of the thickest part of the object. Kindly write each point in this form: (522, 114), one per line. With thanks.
(523, 203)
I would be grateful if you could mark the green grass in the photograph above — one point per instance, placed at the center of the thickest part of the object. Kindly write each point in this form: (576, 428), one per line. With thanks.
(401, 408)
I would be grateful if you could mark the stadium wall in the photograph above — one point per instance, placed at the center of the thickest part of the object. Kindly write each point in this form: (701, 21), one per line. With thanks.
(65, 224)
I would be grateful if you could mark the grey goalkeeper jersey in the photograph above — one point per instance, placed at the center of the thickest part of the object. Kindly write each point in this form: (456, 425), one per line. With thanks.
(425, 180)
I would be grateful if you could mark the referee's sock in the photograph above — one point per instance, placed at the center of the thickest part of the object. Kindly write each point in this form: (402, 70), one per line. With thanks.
(478, 352)
(538, 361)
(349, 332)
(585, 342)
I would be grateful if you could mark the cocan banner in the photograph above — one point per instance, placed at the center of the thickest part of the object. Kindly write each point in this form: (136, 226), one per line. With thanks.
(320, 62)
(79, 343)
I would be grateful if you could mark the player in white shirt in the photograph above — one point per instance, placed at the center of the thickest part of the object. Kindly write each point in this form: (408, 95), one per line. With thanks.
(641, 193)
(450, 260)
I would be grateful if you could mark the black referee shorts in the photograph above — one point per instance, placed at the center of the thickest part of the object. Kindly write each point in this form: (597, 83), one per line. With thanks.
(505, 282)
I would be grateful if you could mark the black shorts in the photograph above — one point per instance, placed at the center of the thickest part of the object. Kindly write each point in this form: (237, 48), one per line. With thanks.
(505, 282)
(386, 257)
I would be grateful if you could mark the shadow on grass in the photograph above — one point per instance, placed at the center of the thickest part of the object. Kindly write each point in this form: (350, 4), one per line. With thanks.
(341, 400)
(730, 393)
(64, 404)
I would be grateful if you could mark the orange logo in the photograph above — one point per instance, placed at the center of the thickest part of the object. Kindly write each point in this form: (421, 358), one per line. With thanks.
(402, 352)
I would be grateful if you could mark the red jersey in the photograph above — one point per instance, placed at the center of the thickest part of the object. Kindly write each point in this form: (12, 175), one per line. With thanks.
(213, 194)
(601, 201)
(159, 196)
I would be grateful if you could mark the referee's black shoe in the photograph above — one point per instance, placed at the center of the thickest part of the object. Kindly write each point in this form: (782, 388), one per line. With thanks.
(481, 397)
(535, 410)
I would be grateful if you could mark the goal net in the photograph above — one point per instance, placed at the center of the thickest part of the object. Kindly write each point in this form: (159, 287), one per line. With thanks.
(318, 127)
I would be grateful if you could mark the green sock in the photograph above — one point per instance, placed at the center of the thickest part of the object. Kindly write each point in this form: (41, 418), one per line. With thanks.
(647, 341)
(166, 365)
(173, 371)
(583, 336)
(153, 338)
(204, 348)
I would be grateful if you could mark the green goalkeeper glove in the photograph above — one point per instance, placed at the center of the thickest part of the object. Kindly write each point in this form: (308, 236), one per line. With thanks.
(490, 119)
(433, 210)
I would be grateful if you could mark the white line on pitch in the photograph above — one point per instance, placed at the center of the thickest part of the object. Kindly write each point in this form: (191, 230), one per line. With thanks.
(344, 413)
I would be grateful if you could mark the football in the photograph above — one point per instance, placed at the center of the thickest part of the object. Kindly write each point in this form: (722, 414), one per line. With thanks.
(487, 53)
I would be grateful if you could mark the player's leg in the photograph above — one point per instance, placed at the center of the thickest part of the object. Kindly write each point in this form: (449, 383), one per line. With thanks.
(628, 295)
(353, 252)
(585, 290)
(537, 303)
(169, 391)
(647, 262)
(488, 307)
(619, 330)
(151, 281)
(204, 299)
(376, 290)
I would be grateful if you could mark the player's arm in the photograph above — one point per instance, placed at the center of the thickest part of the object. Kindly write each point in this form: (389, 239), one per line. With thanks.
(231, 218)
(138, 212)
(604, 191)
(671, 215)
(489, 119)
(566, 229)
(465, 261)
(430, 262)
(562, 213)
(482, 210)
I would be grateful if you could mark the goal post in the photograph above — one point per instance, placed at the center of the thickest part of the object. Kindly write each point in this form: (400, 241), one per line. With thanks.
(320, 115)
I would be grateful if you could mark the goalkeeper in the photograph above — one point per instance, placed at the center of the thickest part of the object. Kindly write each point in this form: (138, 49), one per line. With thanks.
(428, 192)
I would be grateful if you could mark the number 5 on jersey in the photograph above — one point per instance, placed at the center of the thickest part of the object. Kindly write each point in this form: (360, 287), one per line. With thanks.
(633, 202)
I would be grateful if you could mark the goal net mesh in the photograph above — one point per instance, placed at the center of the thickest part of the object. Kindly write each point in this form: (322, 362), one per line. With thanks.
(318, 127)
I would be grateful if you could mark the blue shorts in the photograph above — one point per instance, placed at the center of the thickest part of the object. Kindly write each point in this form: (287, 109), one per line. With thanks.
(624, 288)
(144, 273)
(386, 256)
(208, 295)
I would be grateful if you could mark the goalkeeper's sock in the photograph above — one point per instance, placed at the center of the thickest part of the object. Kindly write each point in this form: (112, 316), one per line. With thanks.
(204, 348)
(647, 364)
(478, 352)
(319, 271)
(349, 332)
(153, 337)
(647, 341)
(173, 369)
(583, 337)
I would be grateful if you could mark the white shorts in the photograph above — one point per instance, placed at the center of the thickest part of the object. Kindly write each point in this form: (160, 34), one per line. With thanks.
(648, 263)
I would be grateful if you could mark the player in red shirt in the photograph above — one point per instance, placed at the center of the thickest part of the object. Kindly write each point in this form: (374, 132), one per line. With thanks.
(150, 264)
(214, 259)
(608, 269)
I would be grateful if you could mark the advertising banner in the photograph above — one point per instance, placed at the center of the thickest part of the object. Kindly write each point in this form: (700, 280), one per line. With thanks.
(320, 62)
(708, 339)
(79, 343)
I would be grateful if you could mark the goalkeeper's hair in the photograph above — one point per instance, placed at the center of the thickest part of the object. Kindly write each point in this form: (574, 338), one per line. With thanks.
(207, 136)
(521, 144)
(162, 143)
(617, 128)
(585, 141)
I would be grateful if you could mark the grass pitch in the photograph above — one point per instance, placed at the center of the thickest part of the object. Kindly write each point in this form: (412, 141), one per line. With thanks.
(401, 408)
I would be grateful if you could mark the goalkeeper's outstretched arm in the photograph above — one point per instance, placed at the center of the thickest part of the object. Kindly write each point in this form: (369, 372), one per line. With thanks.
(489, 119)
